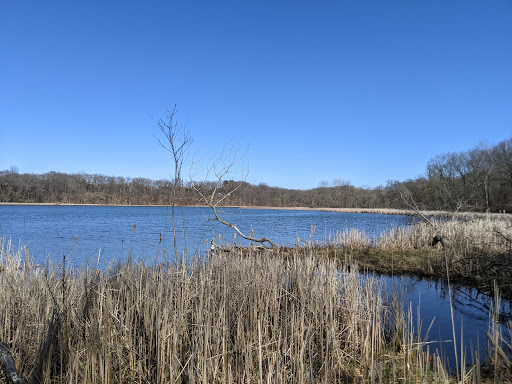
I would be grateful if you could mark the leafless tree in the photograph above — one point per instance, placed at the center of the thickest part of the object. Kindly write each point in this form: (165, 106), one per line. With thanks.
(479, 180)
(229, 163)
(176, 139)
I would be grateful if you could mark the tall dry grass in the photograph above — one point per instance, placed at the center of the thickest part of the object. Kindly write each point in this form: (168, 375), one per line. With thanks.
(477, 250)
(466, 236)
(410, 212)
(243, 318)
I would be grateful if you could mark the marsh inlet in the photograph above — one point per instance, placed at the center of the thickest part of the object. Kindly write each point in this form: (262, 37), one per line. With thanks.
(428, 302)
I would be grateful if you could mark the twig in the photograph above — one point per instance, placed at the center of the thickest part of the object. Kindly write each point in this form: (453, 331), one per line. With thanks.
(416, 210)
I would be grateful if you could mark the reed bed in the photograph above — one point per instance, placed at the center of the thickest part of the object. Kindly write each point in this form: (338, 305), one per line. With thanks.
(246, 317)
(477, 235)
(410, 212)
(477, 251)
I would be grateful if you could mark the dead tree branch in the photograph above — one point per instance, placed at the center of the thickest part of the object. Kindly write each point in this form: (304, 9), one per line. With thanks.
(409, 201)
(250, 238)
(412, 205)
(228, 163)
(8, 366)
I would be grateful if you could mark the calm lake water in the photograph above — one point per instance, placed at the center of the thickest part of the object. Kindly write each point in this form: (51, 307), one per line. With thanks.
(49, 231)
(431, 301)
(111, 232)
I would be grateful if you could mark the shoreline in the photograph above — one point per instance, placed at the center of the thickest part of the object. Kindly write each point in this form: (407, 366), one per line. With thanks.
(379, 211)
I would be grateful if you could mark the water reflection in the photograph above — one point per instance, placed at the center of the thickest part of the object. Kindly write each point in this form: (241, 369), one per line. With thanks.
(430, 300)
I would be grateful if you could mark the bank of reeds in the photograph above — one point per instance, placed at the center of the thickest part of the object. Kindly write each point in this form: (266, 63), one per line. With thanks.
(477, 250)
(242, 318)
(467, 236)
(410, 212)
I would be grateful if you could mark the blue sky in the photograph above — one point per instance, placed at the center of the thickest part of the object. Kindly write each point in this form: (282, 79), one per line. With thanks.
(364, 91)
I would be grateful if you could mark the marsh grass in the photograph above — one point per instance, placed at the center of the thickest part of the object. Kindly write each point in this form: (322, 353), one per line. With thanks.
(435, 214)
(478, 250)
(467, 236)
(246, 317)
(303, 314)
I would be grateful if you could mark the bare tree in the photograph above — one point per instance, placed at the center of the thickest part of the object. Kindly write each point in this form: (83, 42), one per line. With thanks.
(341, 189)
(222, 188)
(176, 140)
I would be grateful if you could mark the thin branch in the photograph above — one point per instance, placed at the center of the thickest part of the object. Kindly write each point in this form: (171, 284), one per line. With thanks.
(221, 167)
(177, 141)
(415, 208)
(250, 238)
(506, 238)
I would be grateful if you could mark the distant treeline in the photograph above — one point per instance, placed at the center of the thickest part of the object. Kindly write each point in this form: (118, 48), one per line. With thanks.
(476, 180)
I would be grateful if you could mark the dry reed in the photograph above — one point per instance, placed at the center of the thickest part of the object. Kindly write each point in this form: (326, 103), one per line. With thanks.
(487, 235)
(243, 318)
(409, 212)
(476, 252)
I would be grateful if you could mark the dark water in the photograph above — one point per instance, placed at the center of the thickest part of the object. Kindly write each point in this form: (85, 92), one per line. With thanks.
(49, 233)
(429, 303)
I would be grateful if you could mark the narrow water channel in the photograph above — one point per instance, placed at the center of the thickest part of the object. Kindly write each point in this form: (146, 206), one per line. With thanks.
(429, 303)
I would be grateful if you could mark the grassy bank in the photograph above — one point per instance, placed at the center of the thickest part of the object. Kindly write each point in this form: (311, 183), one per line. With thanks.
(243, 318)
(477, 251)
(409, 212)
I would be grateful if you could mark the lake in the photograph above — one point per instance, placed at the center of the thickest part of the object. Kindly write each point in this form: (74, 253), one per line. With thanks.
(111, 232)
(49, 231)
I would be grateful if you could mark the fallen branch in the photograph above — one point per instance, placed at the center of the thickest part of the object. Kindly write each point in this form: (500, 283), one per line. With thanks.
(261, 240)
(416, 209)
(8, 366)
(506, 238)
(222, 189)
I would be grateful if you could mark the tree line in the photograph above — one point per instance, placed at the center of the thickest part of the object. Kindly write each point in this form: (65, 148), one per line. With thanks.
(479, 179)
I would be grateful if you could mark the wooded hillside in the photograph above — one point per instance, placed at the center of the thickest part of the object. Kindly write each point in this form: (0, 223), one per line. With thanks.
(479, 179)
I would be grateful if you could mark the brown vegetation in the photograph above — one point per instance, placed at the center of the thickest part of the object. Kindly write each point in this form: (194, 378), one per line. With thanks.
(248, 317)
(478, 250)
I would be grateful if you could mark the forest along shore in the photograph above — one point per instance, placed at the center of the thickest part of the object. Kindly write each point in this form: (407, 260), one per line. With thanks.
(476, 180)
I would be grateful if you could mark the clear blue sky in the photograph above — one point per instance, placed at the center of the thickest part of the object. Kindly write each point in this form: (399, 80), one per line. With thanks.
(364, 91)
